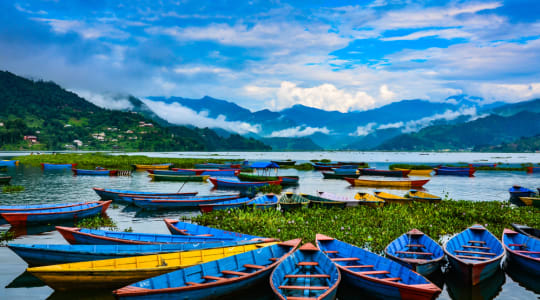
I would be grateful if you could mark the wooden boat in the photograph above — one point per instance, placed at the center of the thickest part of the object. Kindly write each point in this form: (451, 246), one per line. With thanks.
(517, 191)
(387, 183)
(317, 201)
(113, 194)
(474, 253)
(285, 180)
(129, 198)
(289, 180)
(347, 171)
(224, 205)
(455, 171)
(375, 275)
(416, 251)
(5, 179)
(284, 162)
(306, 274)
(51, 254)
(47, 166)
(189, 229)
(349, 202)
(522, 251)
(531, 201)
(179, 203)
(533, 170)
(526, 230)
(369, 199)
(423, 196)
(97, 172)
(115, 273)
(325, 166)
(9, 163)
(56, 214)
(330, 175)
(217, 166)
(211, 172)
(214, 279)
(179, 177)
(483, 165)
(391, 198)
(412, 172)
(152, 167)
(36, 207)
(267, 201)
(387, 173)
(235, 184)
(86, 236)
(289, 201)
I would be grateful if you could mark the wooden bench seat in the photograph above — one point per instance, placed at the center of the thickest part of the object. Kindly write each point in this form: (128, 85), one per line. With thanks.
(392, 279)
(208, 277)
(250, 266)
(415, 246)
(476, 252)
(301, 298)
(357, 266)
(476, 247)
(344, 259)
(308, 276)
(415, 253)
(226, 272)
(374, 272)
(527, 252)
(473, 257)
(477, 242)
(516, 245)
(307, 263)
(300, 287)
(331, 251)
(273, 259)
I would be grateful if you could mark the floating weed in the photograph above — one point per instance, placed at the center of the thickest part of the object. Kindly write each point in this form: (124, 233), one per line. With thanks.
(5, 237)
(270, 189)
(97, 222)
(372, 228)
(129, 229)
(12, 188)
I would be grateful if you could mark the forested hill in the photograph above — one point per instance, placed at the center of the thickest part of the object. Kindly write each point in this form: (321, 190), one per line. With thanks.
(59, 120)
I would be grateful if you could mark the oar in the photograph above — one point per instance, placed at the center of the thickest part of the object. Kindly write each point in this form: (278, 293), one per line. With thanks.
(181, 187)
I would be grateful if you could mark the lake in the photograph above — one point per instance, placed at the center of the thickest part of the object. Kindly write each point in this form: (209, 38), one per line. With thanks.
(62, 186)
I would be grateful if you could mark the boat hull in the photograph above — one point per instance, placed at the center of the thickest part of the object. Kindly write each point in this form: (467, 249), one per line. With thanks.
(153, 203)
(241, 184)
(455, 172)
(330, 175)
(417, 172)
(113, 194)
(152, 167)
(94, 172)
(387, 183)
(386, 173)
(201, 178)
(5, 179)
(45, 166)
(531, 201)
(474, 273)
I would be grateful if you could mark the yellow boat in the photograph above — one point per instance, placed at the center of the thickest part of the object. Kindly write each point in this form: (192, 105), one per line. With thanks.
(423, 197)
(531, 201)
(387, 183)
(391, 198)
(426, 172)
(368, 199)
(116, 273)
(152, 167)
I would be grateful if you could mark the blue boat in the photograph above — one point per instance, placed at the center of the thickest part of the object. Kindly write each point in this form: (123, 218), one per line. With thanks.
(104, 237)
(474, 253)
(210, 172)
(179, 203)
(53, 215)
(522, 252)
(346, 171)
(9, 163)
(35, 207)
(223, 205)
(264, 202)
(214, 279)
(517, 191)
(306, 274)
(46, 166)
(236, 184)
(455, 171)
(416, 251)
(113, 194)
(189, 229)
(50, 254)
(96, 172)
(171, 172)
(375, 275)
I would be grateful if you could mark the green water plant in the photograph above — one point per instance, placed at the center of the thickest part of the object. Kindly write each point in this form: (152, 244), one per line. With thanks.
(6, 236)
(97, 222)
(12, 188)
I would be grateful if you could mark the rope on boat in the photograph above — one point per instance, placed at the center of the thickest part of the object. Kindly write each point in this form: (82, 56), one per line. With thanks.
(123, 173)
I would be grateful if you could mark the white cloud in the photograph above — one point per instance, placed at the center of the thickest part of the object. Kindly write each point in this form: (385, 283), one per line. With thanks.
(178, 114)
(385, 93)
(299, 131)
(507, 92)
(415, 125)
(364, 130)
(106, 100)
(442, 33)
(391, 125)
(87, 31)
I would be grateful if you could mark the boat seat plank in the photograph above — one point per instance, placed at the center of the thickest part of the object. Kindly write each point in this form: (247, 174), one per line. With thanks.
(308, 276)
(250, 266)
(358, 266)
(476, 247)
(208, 277)
(392, 279)
(472, 257)
(226, 272)
(476, 252)
(307, 263)
(415, 246)
(477, 242)
(516, 245)
(344, 259)
(527, 252)
(373, 272)
(301, 287)
(331, 251)
(301, 298)
(415, 253)
(273, 259)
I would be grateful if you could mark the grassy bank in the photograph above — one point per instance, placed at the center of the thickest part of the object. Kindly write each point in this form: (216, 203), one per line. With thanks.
(373, 228)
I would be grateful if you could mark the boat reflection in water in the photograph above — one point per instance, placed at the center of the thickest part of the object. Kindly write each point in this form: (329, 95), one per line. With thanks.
(25, 280)
(524, 279)
(487, 289)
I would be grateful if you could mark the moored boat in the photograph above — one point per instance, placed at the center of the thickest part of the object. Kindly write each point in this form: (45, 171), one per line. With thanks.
(306, 274)
(217, 278)
(289, 180)
(530, 201)
(474, 253)
(235, 184)
(533, 169)
(330, 175)
(36, 207)
(325, 166)
(517, 191)
(254, 177)
(414, 172)
(156, 177)
(374, 274)
(387, 173)
(455, 171)
(224, 204)
(179, 203)
(284, 162)
(56, 214)
(416, 251)
(9, 163)
(346, 171)
(152, 167)
(211, 172)
(349, 202)
(368, 199)
(387, 183)
(289, 201)
(113, 194)
(217, 166)
(48, 166)
(183, 228)
(522, 251)
(421, 196)
(5, 179)
(391, 198)
(96, 172)
(52, 254)
(526, 230)
(317, 201)
(268, 201)
(115, 273)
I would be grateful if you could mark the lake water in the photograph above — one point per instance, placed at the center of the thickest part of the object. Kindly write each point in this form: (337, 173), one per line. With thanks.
(62, 186)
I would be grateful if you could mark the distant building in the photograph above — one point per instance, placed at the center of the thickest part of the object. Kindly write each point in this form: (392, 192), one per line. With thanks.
(67, 125)
(129, 131)
(1, 124)
(31, 138)
(78, 143)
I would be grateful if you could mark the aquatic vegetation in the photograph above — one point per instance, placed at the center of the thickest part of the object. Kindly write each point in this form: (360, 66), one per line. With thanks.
(5, 237)
(270, 189)
(12, 188)
(373, 228)
(97, 222)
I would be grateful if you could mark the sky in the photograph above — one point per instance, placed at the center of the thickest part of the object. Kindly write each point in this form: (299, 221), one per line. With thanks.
(333, 55)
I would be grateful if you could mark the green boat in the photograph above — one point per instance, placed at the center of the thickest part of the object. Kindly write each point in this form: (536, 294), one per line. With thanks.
(5, 179)
(179, 177)
(285, 180)
(290, 201)
(316, 201)
(330, 175)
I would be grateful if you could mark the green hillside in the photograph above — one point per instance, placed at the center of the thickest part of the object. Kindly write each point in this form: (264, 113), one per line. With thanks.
(524, 144)
(61, 120)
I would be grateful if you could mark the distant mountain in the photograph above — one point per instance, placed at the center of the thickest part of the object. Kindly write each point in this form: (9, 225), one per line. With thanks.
(372, 140)
(284, 144)
(59, 119)
(524, 144)
(514, 108)
(490, 130)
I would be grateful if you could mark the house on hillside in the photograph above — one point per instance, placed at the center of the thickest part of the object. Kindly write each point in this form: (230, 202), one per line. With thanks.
(31, 139)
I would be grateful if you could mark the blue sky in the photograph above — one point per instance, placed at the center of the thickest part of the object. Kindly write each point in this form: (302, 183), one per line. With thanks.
(341, 55)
